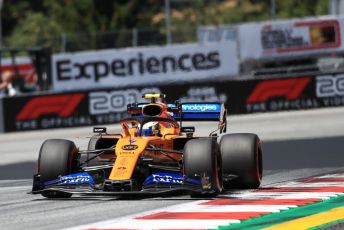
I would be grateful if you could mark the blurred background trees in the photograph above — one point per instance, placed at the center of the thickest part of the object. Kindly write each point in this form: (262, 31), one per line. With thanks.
(95, 23)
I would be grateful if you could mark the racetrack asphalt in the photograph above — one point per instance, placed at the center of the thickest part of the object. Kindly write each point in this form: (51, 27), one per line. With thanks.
(295, 145)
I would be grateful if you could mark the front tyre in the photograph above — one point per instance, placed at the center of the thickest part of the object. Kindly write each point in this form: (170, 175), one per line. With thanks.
(202, 160)
(57, 157)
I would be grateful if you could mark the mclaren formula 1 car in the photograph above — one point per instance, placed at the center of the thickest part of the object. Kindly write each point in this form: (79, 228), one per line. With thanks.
(154, 155)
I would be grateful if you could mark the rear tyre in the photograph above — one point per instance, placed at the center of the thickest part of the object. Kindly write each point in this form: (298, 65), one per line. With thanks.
(57, 157)
(202, 159)
(241, 156)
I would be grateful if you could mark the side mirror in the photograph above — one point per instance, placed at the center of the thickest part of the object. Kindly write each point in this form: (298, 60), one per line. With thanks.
(214, 135)
(99, 130)
(187, 129)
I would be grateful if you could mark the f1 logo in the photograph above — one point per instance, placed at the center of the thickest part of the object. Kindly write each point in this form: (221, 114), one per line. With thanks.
(62, 105)
(290, 88)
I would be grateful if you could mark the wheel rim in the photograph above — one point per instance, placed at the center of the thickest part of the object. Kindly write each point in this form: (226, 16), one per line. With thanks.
(259, 162)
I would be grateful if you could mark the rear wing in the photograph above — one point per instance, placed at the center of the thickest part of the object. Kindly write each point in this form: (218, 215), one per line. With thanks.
(186, 111)
(190, 112)
(200, 111)
(204, 112)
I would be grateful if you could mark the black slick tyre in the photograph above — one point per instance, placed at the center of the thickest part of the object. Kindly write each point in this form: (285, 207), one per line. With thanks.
(241, 156)
(97, 142)
(91, 157)
(202, 159)
(57, 157)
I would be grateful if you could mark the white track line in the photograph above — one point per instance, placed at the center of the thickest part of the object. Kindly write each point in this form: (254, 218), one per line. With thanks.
(286, 195)
(313, 185)
(233, 208)
(156, 224)
(341, 175)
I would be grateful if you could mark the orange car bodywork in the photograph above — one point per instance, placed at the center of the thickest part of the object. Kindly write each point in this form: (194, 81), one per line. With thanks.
(130, 147)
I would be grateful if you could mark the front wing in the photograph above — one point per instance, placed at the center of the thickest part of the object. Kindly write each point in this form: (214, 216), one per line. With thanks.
(157, 184)
(145, 192)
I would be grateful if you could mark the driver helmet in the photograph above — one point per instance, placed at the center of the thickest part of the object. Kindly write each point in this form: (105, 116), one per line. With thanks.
(151, 129)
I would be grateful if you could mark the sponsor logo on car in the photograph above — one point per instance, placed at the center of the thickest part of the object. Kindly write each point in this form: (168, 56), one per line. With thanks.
(165, 178)
(201, 108)
(72, 179)
(129, 147)
(131, 141)
(121, 170)
(80, 179)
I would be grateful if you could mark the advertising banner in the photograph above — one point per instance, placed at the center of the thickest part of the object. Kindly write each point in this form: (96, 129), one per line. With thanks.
(144, 66)
(109, 106)
(69, 109)
(306, 92)
(291, 38)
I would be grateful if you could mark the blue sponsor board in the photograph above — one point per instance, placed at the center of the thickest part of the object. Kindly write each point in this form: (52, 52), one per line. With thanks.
(200, 112)
(201, 108)
(72, 179)
(170, 179)
(201, 116)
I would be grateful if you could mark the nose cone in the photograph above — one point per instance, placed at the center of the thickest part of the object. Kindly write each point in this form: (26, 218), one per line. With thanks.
(128, 152)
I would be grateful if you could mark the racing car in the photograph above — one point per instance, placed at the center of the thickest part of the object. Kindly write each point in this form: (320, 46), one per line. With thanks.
(155, 154)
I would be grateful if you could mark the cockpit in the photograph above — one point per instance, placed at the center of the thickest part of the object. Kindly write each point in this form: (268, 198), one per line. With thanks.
(149, 126)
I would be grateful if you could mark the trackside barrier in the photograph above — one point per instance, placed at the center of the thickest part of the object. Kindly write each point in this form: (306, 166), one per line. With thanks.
(2, 128)
(81, 108)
